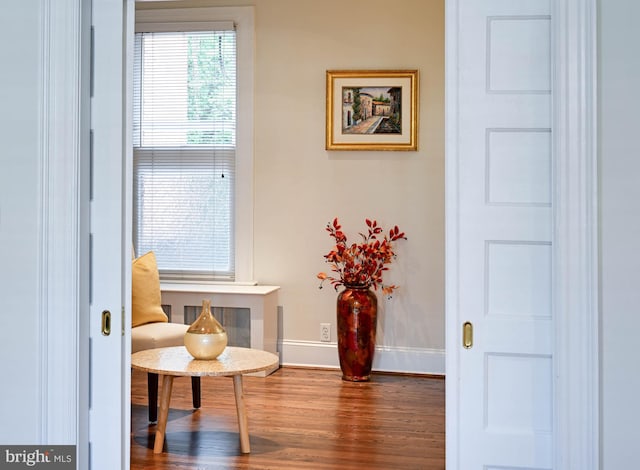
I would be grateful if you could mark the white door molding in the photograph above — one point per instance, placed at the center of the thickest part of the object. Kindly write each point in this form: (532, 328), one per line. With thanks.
(575, 196)
(452, 336)
(63, 288)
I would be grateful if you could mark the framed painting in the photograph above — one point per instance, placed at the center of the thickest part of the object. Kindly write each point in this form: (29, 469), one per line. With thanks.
(372, 110)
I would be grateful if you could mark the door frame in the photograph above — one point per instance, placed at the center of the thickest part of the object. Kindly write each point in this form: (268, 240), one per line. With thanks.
(64, 283)
(575, 299)
(64, 251)
(576, 436)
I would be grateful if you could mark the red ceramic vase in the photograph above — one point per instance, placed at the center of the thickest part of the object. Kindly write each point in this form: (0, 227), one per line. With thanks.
(357, 321)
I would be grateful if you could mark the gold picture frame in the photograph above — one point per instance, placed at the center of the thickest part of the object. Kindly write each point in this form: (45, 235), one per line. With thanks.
(372, 110)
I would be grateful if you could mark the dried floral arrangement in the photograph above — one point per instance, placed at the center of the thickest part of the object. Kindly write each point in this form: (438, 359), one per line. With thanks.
(361, 264)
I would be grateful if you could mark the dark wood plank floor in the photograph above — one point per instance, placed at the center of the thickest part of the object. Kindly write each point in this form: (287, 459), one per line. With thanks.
(298, 419)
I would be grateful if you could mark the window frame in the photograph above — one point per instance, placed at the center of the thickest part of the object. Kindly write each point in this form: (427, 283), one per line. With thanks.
(172, 19)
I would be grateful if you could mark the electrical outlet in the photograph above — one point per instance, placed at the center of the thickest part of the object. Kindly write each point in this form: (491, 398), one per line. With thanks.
(325, 332)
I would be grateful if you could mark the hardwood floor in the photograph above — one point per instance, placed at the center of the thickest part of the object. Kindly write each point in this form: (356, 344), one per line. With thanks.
(298, 419)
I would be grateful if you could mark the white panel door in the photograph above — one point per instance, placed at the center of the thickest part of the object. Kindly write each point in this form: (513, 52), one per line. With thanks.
(500, 266)
(109, 417)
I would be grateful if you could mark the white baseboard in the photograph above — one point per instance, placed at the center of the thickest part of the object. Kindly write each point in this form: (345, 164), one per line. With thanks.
(387, 358)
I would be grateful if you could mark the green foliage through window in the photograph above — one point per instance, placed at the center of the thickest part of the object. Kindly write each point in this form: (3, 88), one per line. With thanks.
(211, 78)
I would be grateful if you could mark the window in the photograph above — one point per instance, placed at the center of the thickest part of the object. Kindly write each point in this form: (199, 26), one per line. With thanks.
(192, 188)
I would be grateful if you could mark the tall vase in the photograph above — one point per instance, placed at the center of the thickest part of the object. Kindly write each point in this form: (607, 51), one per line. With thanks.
(357, 320)
(205, 338)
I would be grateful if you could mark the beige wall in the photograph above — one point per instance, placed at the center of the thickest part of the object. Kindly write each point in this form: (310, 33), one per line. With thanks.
(299, 186)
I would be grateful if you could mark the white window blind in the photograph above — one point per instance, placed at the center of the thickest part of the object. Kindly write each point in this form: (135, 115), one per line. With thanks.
(184, 151)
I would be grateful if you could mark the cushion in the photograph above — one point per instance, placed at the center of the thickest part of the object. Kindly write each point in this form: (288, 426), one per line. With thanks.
(145, 291)
(157, 335)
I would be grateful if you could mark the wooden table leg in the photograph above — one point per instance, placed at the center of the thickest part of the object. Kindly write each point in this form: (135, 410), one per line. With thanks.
(165, 398)
(245, 447)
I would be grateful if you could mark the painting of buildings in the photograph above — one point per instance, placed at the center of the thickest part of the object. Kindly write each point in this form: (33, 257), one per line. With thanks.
(371, 110)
